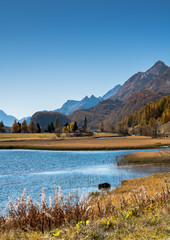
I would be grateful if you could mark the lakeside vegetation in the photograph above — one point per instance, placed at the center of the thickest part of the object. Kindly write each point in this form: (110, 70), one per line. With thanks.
(139, 209)
(144, 157)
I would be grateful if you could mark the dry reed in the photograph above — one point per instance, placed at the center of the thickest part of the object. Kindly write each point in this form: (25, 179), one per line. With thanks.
(25, 214)
(144, 157)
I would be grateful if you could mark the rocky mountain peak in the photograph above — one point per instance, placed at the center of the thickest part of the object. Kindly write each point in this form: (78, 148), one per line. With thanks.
(158, 68)
(139, 80)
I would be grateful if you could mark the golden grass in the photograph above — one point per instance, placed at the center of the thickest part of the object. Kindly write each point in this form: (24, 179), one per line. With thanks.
(51, 142)
(153, 184)
(26, 136)
(145, 157)
(139, 209)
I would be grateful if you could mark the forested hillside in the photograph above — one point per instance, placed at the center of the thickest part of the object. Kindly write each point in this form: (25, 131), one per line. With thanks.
(157, 112)
(135, 102)
(45, 118)
(97, 114)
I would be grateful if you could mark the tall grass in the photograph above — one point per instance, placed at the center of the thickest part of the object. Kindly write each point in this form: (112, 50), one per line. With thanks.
(144, 157)
(25, 214)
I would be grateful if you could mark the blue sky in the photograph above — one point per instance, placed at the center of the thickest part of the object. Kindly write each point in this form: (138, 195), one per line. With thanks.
(55, 50)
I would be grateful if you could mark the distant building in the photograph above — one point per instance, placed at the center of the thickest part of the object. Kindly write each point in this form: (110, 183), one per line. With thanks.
(7, 129)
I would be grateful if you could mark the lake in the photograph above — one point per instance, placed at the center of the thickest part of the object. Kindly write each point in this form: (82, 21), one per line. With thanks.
(72, 170)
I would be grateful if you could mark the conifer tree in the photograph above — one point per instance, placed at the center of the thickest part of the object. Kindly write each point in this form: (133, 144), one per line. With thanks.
(31, 127)
(24, 126)
(14, 128)
(52, 127)
(19, 127)
(38, 128)
(2, 126)
(56, 123)
(111, 128)
(84, 127)
(101, 128)
(75, 126)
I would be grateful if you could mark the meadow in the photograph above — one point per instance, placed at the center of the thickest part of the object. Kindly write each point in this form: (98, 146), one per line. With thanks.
(50, 141)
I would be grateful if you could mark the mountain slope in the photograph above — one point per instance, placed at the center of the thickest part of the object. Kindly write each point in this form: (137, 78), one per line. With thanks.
(112, 111)
(135, 102)
(97, 114)
(147, 115)
(160, 84)
(139, 80)
(111, 92)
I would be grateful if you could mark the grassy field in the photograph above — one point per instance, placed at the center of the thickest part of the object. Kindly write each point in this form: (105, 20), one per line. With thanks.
(26, 136)
(145, 157)
(50, 141)
(139, 209)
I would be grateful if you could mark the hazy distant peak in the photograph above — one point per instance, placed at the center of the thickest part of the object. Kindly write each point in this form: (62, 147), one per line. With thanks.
(2, 112)
(112, 92)
(72, 105)
(92, 96)
(85, 98)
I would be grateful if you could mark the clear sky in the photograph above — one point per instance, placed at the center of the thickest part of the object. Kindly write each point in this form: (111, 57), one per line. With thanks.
(55, 50)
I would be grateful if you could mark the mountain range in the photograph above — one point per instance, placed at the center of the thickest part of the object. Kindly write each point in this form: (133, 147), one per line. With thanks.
(67, 108)
(139, 90)
(72, 105)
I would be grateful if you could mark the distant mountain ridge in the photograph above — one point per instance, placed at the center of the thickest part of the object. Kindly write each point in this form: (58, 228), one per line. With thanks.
(67, 108)
(137, 91)
(8, 119)
(72, 105)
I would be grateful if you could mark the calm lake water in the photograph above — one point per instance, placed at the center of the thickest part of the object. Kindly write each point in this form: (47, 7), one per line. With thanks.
(72, 170)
